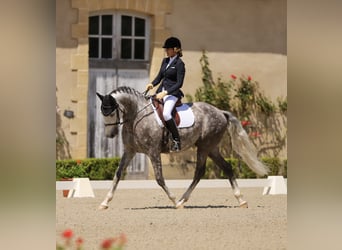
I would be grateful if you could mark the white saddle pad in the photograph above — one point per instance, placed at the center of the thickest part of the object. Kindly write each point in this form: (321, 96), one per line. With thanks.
(186, 116)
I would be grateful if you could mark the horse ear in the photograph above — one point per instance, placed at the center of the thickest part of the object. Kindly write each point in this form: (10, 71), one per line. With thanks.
(100, 96)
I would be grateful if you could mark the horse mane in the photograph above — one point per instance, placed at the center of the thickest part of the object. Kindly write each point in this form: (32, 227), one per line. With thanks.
(127, 90)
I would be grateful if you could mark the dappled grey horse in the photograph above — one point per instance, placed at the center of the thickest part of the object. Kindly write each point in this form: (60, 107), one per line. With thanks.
(142, 134)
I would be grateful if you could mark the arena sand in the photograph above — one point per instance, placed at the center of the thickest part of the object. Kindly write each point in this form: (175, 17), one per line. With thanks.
(209, 220)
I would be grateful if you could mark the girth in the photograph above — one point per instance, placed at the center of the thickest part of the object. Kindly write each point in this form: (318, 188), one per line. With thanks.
(159, 106)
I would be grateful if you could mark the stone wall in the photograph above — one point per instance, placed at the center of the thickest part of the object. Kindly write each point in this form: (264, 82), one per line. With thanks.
(72, 69)
(246, 37)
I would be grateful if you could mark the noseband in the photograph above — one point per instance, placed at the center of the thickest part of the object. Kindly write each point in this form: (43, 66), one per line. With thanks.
(118, 122)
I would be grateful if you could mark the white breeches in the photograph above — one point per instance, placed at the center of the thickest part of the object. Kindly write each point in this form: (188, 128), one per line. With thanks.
(169, 103)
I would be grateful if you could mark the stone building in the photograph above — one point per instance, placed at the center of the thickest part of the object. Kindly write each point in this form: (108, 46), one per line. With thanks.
(103, 44)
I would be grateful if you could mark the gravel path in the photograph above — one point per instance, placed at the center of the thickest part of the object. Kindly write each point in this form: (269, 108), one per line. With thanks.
(210, 219)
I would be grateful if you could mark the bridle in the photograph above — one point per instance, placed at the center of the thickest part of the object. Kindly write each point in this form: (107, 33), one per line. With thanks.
(118, 118)
(117, 109)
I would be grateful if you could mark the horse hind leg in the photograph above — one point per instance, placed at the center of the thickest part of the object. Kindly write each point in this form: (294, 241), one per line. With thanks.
(126, 158)
(228, 170)
(157, 167)
(199, 173)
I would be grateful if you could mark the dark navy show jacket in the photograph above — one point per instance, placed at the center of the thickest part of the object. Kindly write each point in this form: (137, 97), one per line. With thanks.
(172, 77)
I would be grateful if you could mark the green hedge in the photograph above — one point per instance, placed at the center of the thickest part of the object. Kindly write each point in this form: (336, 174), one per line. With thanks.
(104, 169)
(276, 166)
(94, 169)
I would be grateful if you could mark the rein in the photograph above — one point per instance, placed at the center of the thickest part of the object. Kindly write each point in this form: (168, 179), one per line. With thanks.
(118, 116)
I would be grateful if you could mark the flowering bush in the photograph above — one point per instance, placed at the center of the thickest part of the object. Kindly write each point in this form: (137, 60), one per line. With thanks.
(68, 236)
(115, 243)
(245, 123)
(250, 129)
(264, 121)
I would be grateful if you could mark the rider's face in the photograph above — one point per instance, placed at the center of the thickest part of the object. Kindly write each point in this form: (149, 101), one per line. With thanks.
(170, 52)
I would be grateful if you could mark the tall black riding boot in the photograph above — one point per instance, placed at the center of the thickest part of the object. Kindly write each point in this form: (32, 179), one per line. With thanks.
(172, 127)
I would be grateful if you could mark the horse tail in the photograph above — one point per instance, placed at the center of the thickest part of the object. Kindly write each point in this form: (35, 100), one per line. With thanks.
(243, 146)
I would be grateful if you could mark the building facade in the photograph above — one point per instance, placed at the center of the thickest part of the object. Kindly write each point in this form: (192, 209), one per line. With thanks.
(104, 44)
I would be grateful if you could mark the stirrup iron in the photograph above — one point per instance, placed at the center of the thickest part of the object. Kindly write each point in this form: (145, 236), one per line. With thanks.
(175, 146)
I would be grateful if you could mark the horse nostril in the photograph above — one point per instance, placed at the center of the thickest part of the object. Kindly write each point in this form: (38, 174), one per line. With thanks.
(111, 133)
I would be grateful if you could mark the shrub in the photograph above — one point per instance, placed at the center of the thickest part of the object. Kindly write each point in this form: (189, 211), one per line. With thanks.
(94, 169)
(274, 165)
(242, 171)
(216, 93)
(265, 105)
(245, 99)
(282, 104)
(285, 168)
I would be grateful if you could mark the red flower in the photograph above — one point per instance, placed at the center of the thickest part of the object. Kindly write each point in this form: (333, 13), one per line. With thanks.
(78, 162)
(249, 78)
(255, 134)
(107, 244)
(233, 76)
(68, 233)
(245, 123)
(79, 241)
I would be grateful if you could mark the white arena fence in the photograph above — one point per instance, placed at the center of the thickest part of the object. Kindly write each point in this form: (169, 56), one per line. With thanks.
(83, 187)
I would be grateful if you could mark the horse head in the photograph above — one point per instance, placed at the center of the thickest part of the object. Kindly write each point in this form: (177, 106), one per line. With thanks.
(111, 118)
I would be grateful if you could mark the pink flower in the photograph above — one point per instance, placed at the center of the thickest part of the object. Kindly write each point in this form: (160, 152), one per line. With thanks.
(68, 233)
(249, 78)
(122, 239)
(233, 76)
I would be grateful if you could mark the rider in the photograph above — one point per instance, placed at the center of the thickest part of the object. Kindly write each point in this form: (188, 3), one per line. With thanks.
(171, 73)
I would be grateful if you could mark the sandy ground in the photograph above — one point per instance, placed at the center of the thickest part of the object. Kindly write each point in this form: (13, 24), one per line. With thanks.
(210, 219)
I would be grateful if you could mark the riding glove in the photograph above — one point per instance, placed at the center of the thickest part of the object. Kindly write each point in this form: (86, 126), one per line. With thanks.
(149, 86)
(160, 95)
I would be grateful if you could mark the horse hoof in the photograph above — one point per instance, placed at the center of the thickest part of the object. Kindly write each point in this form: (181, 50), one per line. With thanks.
(180, 204)
(243, 204)
(102, 207)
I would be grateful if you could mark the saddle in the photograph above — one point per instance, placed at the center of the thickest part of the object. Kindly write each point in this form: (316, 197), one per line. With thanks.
(159, 106)
(181, 113)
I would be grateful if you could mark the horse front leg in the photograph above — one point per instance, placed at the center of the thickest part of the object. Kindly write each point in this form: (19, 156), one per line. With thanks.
(126, 158)
(157, 167)
(199, 173)
(228, 170)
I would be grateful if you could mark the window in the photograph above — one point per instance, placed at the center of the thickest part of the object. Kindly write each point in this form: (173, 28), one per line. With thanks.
(133, 36)
(118, 36)
(100, 36)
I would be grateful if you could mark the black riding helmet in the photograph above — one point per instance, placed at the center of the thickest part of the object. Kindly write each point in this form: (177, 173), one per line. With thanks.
(172, 42)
